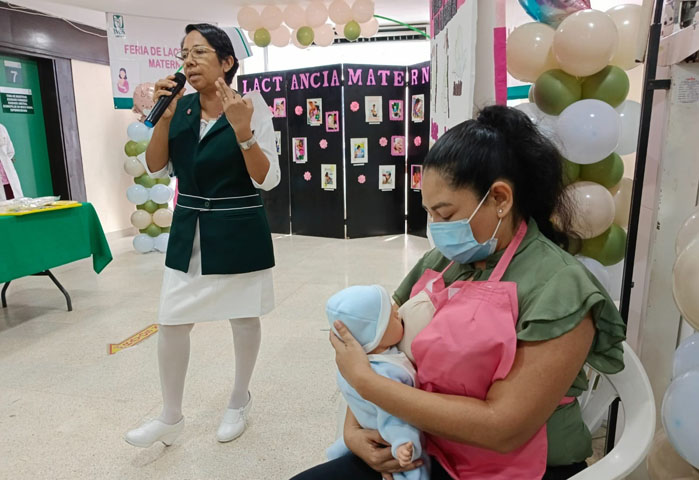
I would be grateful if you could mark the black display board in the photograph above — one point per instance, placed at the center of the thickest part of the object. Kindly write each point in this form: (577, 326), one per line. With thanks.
(277, 201)
(418, 144)
(375, 94)
(317, 193)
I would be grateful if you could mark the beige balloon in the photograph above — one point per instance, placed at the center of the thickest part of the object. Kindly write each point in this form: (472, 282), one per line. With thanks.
(684, 283)
(622, 202)
(529, 52)
(664, 463)
(593, 209)
(141, 219)
(585, 42)
(324, 36)
(281, 37)
(163, 217)
(627, 19)
(133, 167)
(688, 232)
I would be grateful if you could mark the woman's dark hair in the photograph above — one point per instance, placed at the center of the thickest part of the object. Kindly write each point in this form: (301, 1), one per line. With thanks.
(219, 41)
(123, 70)
(503, 144)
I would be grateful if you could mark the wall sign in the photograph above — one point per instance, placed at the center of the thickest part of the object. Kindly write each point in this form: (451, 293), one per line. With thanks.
(16, 100)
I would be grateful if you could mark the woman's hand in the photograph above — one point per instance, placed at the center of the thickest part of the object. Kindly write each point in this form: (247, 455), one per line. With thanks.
(370, 447)
(238, 110)
(350, 356)
(161, 89)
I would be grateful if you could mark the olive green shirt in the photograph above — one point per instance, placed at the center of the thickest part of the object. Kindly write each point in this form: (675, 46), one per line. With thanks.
(555, 293)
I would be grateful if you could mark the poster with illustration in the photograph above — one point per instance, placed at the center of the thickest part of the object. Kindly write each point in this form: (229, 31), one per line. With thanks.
(314, 111)
(398, 146)
(416, 177)
(332, 122)
(300, 149)
(279, 107)
(278, 136)
(395, 108)
(373, 107)
(387, 177)
(329, 176)
(123, 82)
(360, 151)
(418, 109)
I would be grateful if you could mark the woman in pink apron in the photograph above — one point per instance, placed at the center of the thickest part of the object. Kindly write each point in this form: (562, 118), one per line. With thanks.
(515, 318)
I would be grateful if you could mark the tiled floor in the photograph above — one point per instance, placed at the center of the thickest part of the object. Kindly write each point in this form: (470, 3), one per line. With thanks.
(65, 403)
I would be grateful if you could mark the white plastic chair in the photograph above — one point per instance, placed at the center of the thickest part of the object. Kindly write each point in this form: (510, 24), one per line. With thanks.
(632, 387)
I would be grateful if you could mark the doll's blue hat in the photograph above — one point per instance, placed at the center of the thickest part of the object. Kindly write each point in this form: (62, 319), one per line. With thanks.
(365, 310)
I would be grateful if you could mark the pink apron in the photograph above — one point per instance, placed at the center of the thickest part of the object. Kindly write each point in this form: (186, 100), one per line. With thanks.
(469, 344)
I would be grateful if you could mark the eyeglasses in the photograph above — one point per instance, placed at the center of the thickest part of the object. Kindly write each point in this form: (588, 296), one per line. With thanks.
(197, 53)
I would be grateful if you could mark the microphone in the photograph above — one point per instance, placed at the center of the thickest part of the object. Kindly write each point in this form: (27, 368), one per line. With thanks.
(164, 101)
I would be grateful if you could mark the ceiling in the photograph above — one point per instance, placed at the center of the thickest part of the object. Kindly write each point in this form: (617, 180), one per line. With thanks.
(223, 12)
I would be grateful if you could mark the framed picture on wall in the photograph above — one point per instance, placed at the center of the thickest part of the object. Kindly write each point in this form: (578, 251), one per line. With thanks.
(373, 107)
(278, 137)
(418, 108)
(398, 146)
(332, 121)
(395, 110)
(328, 176)
(360, 151)
(300, 149)
(416, 177)
(387, 177)
(314, 111)
(279, 108)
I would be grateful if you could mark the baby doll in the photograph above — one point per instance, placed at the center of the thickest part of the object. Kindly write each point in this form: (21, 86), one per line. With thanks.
(367, 313)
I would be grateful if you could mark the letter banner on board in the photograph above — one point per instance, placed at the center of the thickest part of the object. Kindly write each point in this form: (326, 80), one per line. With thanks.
(141, 50)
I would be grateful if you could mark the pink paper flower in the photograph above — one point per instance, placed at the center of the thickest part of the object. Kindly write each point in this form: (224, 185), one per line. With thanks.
(361, 179)
(383, 141)
(323, 144)
(435, 131)
(354, 106)
(307, 176)
(299, 110)
(417, 141)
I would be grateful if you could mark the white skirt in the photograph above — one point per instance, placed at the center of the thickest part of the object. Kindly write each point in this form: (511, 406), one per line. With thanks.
(193, 298)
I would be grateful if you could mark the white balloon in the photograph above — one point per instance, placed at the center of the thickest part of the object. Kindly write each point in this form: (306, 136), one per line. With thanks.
(532, 111)
(598, 270)
(340, 12)
(593, 209)
(161, 242)
(589, 131)
(272, 17)
(141, 219)
(689, 231)
(316, 14)
(160, 193)
(137, 194)
(363, 10)
(138, 132)
(370, 28)
(686, 356)
(162, 218)
(143, 243)
(684, 280)
(324, 36)
(281, 37)
(616, 277)
(133, 167)
(680, 419)
(249, 19)
(547, 125)
(294, 16)
(630, 113)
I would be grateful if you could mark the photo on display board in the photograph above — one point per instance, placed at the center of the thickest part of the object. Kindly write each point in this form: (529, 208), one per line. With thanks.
(329, 176)
(416, 177)
(373, 107)
(279, 107)
(387, 177)
(314, 111)
(395, 108)
(278, 136)
(360, 151)
(418, 108)
(398, 146)
(300, 149)
(332, 121)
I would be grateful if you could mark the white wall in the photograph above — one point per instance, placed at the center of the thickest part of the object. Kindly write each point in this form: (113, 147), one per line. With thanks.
(102, 138)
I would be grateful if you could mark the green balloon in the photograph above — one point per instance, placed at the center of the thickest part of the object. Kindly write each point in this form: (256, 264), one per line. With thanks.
(352, 31)
(609, 248)
(145, 180)
(164, 181)
(153, 230)
(262, 37)
(166, 230)
(607, 173)
(142, 146)
(611, 85)
(142, 230)
(163, 205)
(555, 90)
(571, 172)
(131, 149)
(305, 36)
(574, 245)
(150, 206)
(140, 207)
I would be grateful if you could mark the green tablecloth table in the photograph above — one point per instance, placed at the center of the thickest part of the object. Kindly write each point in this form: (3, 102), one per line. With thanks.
(32, 244)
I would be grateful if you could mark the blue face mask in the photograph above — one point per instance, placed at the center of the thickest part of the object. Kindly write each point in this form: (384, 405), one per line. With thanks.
(455, 240)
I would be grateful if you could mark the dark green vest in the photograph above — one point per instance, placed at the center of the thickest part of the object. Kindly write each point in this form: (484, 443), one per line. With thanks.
(215, 189)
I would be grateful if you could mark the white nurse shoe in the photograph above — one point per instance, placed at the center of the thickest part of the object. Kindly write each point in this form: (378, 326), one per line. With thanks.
(154, 431)
(234, 423)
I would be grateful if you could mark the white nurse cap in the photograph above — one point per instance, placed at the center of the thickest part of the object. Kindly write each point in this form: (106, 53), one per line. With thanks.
(241, 46)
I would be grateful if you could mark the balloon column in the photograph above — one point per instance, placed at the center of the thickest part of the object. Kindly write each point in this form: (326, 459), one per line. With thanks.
(577, 59)
(152, 216)
(272, 25)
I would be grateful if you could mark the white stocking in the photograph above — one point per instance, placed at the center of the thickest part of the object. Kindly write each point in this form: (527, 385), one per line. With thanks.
(246, 341)
(173, 358)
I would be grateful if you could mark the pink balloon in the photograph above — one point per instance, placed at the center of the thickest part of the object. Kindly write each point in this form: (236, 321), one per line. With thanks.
(340, 12)
(281, 37)
(295, 16)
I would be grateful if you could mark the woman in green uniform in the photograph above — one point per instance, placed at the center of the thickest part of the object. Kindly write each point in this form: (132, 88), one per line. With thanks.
(221, 147)
(484, 183)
